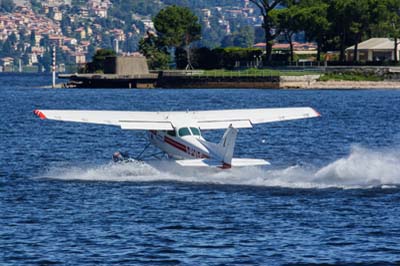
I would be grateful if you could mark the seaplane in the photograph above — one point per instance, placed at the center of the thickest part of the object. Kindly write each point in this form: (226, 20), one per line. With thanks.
(178, 134)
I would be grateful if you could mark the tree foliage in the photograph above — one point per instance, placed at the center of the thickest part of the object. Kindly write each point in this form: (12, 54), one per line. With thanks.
(7, 5)
(32, 38)
(315, 23)
(244, 37)
(332, 24)
(123, 9)
(98, 59)
(289, 21)
(388, 13)
(269, 23)
(229, 58)
(177, 27)
(156, 54)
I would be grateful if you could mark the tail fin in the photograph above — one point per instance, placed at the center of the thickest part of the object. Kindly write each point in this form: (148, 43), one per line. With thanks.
(227, 145)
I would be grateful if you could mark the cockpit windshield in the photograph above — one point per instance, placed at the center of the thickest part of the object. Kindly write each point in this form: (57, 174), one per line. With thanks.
(184, 131)
(195, 131)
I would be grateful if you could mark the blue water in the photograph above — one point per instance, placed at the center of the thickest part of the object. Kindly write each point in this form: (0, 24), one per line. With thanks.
(330, 197)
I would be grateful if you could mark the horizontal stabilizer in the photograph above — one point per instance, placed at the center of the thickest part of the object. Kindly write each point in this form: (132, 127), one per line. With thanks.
(241, 162)
(236, 162)
(199, 163)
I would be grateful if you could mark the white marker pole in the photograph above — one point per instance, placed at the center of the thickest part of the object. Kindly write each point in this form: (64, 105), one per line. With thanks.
(54, 67)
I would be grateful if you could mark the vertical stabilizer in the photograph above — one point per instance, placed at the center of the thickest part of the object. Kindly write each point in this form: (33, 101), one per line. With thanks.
(223, 151)
(227, 145)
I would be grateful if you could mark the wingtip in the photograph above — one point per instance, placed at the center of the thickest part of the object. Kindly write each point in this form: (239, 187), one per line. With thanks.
(39, 114)
(316, 112)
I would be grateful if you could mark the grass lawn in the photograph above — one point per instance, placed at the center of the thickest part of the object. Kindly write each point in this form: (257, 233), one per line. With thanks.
(350, 77)
(254, 72)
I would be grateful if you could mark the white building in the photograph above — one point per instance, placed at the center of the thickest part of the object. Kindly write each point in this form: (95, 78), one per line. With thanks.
(374, 49)
(148, 24)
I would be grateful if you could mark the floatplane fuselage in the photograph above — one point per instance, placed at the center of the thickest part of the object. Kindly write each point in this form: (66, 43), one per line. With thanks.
(184, 143)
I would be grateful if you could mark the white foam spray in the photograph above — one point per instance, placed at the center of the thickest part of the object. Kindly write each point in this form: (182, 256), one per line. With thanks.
(363, 168)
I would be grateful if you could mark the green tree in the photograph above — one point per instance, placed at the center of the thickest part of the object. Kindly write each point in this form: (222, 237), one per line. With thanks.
(288, 22)
(32, 38)
(156, 54)
(44, 41)
(22, 36)
(352, 21)
(315, 23)
(66, 25)
(389, 22)
(60, 56)
(25, 58)
(131, 44)
(363, 17)
(178, 27)
(13, 38)
(125, 8)
(78, 2)
(36, 6)
(7, 5)
(99, 58)
(91, 51)
(213, 35)
(20, 47)
(7, 49)
(337, 14)
(45, 61)
(244, 37)
(265, 7)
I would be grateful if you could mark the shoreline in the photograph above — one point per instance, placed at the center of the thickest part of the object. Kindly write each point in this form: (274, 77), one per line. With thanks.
(318, 85)
(352, 85)
(176, 81)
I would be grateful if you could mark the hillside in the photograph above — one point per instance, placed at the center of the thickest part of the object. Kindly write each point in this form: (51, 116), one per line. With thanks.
(30, 28)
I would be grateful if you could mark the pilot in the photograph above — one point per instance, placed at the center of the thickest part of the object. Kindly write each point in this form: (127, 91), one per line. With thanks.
(120, 156)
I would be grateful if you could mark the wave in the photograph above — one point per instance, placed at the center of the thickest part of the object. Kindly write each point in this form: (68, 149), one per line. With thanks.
(362, 168)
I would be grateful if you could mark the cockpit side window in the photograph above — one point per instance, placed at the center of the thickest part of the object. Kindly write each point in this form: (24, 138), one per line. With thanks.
(184, 131)
(172, 133)
(195, 131)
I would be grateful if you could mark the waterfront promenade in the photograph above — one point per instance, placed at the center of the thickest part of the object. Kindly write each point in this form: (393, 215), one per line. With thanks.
(290, 78)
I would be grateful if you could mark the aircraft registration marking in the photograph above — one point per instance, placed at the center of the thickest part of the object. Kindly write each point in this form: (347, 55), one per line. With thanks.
(186, 149)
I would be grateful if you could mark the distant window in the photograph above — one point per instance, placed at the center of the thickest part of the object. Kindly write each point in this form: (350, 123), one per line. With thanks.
(195, 131)
(184, 131)
(172, 133)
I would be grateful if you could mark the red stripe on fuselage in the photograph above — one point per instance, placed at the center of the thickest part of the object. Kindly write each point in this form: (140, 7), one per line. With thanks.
(175, 144)
(181, 147)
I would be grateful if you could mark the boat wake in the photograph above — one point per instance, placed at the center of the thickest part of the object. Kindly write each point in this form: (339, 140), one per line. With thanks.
(362, 168)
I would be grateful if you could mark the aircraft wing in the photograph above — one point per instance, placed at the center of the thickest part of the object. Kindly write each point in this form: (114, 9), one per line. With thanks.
(216, 119)
(246, 118)
(124, 119)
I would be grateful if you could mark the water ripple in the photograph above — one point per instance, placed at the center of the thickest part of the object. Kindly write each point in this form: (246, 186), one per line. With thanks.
(330, 197)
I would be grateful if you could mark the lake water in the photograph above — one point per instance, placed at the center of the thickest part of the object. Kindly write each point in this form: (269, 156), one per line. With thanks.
(331, 195)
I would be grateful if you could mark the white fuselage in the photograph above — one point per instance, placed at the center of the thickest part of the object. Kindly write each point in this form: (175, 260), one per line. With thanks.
(182, 143)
